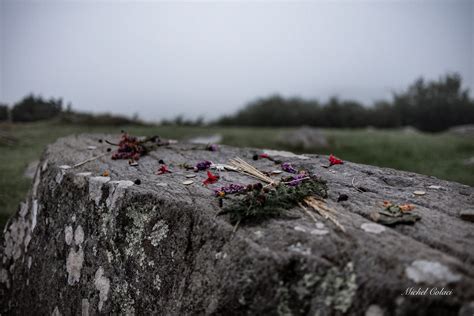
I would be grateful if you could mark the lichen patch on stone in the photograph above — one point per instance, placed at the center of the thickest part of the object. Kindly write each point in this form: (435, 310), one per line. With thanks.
(339, 287)
(68, 235)
(102, 284)
(34, 214)
(4, 278)
(157, 282)
(298, 247)
(56, 312)
(74, 262)
(95, 188)
(79, 235)
(14, 238)
(117, 190)
(372, 228)
(319, 232)
(84, 174)
(85, 307)
(158, 233)
(374, 310)
(430, 272)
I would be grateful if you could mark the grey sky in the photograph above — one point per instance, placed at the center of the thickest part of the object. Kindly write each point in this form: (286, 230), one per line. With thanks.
(161, 59)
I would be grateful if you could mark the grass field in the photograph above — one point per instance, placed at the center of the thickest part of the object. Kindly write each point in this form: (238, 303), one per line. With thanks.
(440, 155)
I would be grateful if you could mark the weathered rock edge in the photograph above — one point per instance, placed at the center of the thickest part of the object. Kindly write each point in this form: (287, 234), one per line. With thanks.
(85, 244)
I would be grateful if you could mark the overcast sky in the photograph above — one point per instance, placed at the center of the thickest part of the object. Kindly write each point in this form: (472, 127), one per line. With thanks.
(161, 59)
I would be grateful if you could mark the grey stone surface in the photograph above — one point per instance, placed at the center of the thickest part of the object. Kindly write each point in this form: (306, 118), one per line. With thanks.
(82, 244)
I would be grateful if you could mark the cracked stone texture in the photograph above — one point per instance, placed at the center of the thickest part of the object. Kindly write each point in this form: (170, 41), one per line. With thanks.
(158, 247)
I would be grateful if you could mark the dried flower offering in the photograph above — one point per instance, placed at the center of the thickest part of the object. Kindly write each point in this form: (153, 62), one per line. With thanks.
(230, 189)
(393, 214)
(130, 147)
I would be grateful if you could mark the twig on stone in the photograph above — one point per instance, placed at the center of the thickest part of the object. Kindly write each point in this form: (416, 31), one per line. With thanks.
(354, 185)
(308, 212)
(88, 160)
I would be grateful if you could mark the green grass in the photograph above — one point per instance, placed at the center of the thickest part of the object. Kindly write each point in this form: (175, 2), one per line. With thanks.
(440, 155)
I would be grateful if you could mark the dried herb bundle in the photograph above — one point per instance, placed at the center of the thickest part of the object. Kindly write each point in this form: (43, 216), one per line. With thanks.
(264, 202)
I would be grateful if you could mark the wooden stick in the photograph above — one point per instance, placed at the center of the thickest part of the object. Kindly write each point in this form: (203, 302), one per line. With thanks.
(324, 211)
(308, 212)
(88, 160)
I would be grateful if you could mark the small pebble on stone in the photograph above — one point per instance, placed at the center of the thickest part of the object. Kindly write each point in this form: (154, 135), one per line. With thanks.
(343, 197)
(188, 182)
(276, 171)
(138, 182)
(190, 176)
(109, 150)
(91, 147)
(162, 184)
(161, 162)
(133, 163)
(436, 187)
(467, 215)
(419, 193)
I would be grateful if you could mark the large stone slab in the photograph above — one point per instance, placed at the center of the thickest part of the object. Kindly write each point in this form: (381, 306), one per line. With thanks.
(84, 244)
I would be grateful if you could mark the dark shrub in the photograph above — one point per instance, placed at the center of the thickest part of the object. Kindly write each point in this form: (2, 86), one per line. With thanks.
(33, 108)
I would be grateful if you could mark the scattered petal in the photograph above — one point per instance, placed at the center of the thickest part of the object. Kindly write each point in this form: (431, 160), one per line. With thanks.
(163, 169)
(211, 178)
(333, 160)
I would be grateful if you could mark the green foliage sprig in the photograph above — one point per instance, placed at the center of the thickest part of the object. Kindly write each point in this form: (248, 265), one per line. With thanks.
(261, 203)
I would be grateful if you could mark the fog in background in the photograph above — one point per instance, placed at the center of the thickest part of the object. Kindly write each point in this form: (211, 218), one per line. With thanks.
(161, 59)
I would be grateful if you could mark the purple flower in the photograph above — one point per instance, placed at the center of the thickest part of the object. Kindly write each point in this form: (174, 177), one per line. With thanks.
(296, 180)
(230, 189)
(203, 165)
(286, 166)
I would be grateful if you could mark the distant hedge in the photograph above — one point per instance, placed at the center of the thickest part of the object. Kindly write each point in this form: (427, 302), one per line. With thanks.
(428, 106)
(3, 112)
(33, 108)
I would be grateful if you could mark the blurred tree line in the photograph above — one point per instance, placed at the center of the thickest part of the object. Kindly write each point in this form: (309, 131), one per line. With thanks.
(34, 108)
(429, 106)
(31, 108)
